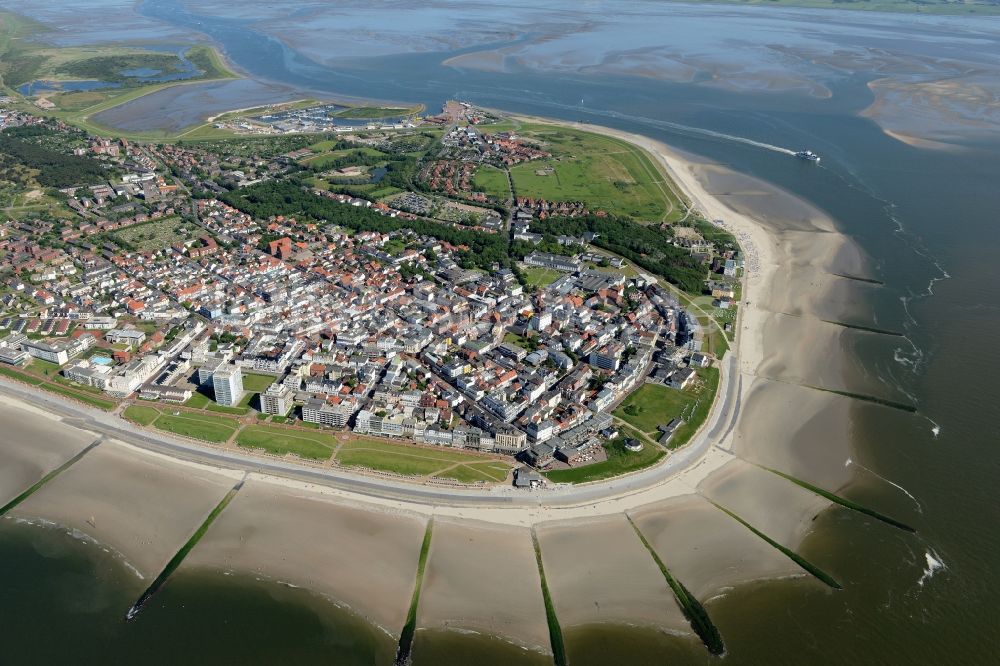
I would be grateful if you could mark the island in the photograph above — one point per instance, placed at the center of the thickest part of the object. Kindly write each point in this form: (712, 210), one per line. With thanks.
(407, 360)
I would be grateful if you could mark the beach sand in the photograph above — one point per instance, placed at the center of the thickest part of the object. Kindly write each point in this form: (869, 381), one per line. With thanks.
(361, 558)
(483, 577)
(706, 550)
(777, 507)
(599, 571)
(33, 446)
(143, 507)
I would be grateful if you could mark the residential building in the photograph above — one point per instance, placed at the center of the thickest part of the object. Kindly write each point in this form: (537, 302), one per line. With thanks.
(227, 381)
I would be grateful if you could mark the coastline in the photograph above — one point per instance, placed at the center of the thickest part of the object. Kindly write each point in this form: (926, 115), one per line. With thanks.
(699, 462)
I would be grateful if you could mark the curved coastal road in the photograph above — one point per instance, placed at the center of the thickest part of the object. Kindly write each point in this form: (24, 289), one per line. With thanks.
(720, 422)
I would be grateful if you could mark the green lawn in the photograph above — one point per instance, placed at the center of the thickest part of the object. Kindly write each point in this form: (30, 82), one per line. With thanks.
(706, 396)
(216, 429)
(198, 400)
(540, 277)
(222, 409)
(489, 472)
(281, 441)
(492, 181)
(93, 401)
(377, 112)
(255, 383)
(603, 172)
(141, 415)
(9, 371)
(655, 405)
(404, 459)
(38, 366)
(652, 405)
(619, 462)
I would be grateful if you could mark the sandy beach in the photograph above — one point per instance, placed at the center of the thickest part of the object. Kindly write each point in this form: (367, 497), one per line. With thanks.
(33, 447)
(142, 507)
(362, 558)
(706, 550)
(599, 571)
(361, 550)
(483, 577)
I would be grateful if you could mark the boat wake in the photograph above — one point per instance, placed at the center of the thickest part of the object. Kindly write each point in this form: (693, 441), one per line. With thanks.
(677, 127)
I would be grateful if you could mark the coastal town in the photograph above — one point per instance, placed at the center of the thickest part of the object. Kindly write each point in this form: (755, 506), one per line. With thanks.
(169, 290)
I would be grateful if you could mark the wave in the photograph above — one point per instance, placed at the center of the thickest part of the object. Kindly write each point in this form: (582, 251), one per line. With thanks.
(920, 508)
(934, 564)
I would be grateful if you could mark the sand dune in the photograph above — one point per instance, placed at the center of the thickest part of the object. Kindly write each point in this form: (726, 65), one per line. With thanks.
(362, 558)
(484, 577)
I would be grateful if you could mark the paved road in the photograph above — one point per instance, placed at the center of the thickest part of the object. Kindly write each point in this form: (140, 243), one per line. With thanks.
(720, 422)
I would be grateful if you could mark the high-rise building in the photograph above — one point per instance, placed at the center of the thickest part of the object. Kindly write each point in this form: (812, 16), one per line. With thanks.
(227, 381)
(277, 399)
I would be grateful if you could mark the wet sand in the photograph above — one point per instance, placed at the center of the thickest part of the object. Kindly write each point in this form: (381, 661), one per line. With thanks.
(706, 550)
(483, 577)
(774, 505)
(599, 571)
(361, 558)
(144, 507)
(32, 446)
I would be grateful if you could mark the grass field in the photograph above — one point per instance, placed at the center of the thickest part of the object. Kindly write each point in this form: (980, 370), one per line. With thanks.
(492, 181)
(490, 472)
(619, 461)
(216, 429)
(652, 405)
(100, 403)
(8, 371)
(410, 460)
(198, 400)
(281, 441)
(378, 112)
(256, 383)
(540, 277)
(141, 415)
(603, 172)
(655, 405)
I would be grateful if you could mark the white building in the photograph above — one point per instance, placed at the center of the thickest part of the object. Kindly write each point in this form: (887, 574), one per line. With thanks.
(277, 399)
(227, 381)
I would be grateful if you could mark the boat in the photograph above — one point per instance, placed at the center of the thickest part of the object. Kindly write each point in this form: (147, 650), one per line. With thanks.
(807, 155)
